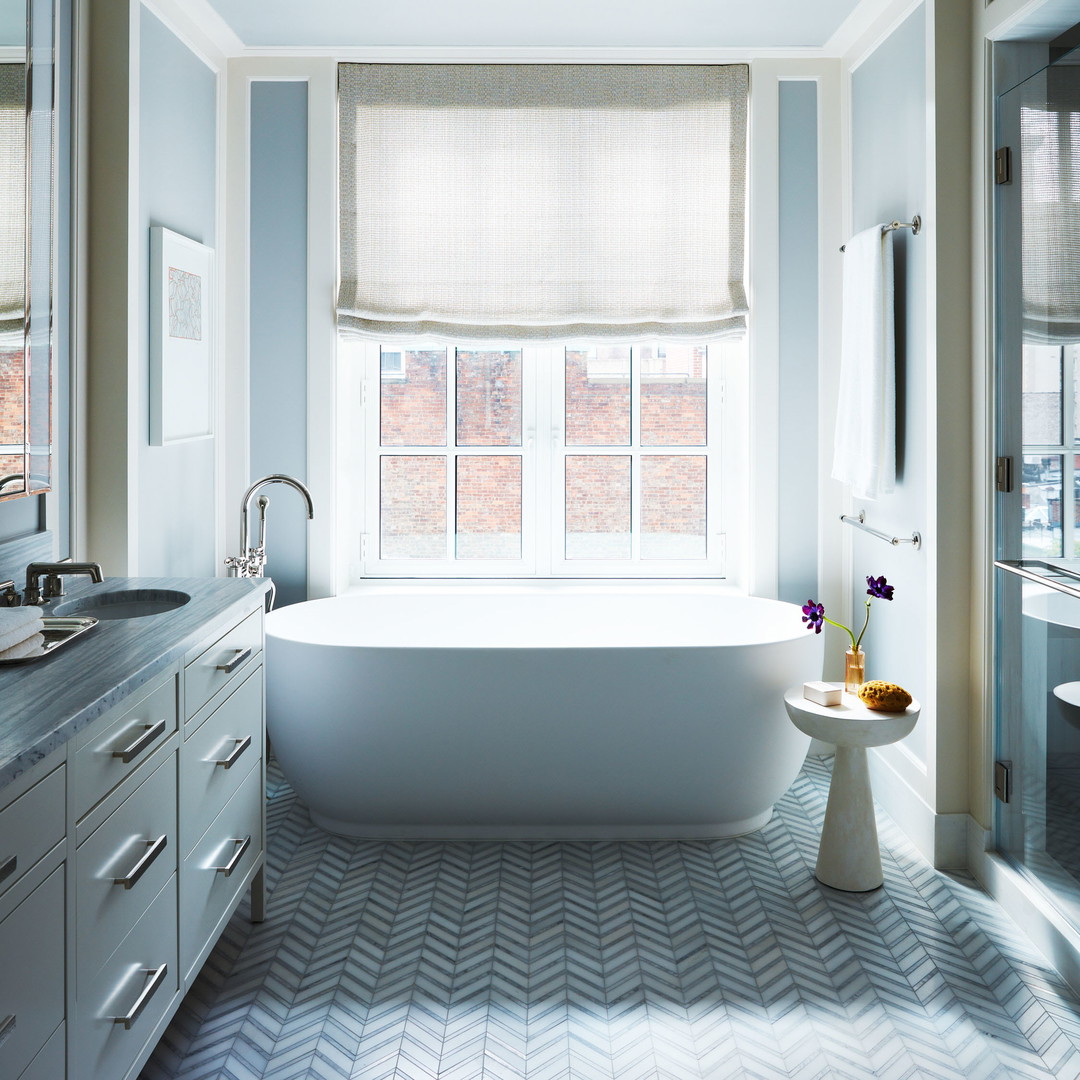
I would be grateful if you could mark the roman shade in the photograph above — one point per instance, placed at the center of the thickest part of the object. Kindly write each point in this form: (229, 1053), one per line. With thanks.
(12, 198)
(1050, 179)
(552, 201)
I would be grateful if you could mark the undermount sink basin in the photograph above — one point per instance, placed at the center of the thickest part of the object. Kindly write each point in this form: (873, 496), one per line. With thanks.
(124, 603)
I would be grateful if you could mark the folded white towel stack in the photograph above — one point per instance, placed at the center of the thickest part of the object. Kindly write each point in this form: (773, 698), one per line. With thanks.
(30, 647)
(17, 624)
(864, 453)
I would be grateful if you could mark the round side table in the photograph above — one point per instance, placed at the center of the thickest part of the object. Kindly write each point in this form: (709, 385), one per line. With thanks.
(848, 856)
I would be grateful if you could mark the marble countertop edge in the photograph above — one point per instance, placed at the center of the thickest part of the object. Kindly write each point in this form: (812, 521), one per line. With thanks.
(44, 705)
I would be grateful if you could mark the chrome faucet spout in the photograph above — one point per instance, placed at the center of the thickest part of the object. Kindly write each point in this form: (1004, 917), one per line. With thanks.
(273, 478)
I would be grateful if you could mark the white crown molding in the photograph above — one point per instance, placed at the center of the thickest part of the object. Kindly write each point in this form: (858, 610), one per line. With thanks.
(199, 27)
(871, 22)
(406, 54)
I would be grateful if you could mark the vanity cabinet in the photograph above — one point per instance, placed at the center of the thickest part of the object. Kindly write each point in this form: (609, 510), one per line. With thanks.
(123, 854)
(32, 887)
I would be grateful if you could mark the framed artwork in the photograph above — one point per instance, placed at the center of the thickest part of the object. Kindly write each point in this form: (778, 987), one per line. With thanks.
(181, 338)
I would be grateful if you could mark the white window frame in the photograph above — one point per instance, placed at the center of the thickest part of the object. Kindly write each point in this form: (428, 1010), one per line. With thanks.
(543, 452)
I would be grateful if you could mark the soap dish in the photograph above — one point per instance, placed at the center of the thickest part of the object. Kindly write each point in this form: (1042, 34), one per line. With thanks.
(57, 632)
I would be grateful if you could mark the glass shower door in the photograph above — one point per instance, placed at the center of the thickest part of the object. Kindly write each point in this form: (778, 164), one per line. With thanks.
(1037, 580)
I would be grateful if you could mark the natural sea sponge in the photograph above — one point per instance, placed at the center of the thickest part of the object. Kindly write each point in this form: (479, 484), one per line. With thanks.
(884, 696)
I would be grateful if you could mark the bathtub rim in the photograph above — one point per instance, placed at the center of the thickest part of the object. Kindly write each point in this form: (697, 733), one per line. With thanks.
(792, 631)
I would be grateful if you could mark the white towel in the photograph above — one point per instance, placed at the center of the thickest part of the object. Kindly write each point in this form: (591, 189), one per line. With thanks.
(30, 647)
(17, 624)
(864, 451)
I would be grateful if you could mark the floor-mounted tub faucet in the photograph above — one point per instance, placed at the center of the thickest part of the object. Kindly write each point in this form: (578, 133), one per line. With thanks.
(251, 560)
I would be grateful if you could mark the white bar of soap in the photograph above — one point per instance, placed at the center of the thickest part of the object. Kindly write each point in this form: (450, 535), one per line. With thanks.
(823, 693)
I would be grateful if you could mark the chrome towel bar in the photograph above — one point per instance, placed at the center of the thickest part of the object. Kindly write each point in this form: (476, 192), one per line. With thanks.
(860, 523)
(915, 224)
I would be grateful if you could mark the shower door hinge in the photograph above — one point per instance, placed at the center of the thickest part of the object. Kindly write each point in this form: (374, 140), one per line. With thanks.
(1003, 474)
(363, 546)
(363, 393)
(1003, 780)
(1002, 165)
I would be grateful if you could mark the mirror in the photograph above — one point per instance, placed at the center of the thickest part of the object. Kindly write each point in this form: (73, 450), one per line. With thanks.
(27, 78)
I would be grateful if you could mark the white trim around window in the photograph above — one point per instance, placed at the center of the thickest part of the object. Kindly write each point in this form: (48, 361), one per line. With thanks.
(542, 450)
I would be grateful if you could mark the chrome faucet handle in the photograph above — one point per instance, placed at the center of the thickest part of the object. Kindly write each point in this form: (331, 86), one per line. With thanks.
(9, 595)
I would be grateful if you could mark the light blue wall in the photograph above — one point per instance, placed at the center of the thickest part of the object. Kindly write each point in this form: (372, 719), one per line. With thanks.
(798, 485)
(278, 391)
(890, 180)
(177, 184)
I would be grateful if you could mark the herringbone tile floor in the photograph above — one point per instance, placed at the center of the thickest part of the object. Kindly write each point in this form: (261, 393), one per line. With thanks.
(658, 961)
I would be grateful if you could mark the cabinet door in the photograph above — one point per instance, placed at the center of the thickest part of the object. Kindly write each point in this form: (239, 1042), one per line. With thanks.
(118, 745)
(229, 657)
(32, 944)
(30, 827)
(120, 1007)
(212, 875)
(218, 756)
(122, 866)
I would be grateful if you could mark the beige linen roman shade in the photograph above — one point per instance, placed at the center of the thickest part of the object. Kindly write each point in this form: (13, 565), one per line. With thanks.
(12, 197)
(551, 201)
(1050, 179)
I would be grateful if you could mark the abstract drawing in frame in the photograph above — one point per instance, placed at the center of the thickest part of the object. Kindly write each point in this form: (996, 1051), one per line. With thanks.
(181, 338)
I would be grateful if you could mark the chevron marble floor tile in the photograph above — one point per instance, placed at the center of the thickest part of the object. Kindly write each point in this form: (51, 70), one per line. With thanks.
(719, 960)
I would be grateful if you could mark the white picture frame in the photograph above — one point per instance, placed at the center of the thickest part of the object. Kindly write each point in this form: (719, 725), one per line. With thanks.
(181, 339)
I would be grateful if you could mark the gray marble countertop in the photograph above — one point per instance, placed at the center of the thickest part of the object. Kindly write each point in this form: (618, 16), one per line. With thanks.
(44, 704)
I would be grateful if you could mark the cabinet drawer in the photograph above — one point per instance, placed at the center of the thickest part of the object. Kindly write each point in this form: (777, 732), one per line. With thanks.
(207, 890)
(122, 866)
(218, 756)
(49, 1064)
(115, 751)
(32, 955)
(119, 1009)
(31, 826)
(227, 658)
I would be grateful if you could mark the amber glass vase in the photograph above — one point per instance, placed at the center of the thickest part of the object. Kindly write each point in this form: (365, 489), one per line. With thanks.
(854, 670)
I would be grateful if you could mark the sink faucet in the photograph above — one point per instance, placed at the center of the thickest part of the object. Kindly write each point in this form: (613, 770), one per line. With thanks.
(54, 574)
(251, 560)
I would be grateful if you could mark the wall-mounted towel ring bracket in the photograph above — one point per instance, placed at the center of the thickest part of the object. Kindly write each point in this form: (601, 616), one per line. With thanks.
(915, 224)
(860, 523)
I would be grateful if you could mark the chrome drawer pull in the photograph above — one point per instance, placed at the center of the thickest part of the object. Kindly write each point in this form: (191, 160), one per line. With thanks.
(7, 1026)
(9, 867)
(153, 849)
(150, 733)
(157, 978)
(234, 756)
(235, 662)
(232, 864)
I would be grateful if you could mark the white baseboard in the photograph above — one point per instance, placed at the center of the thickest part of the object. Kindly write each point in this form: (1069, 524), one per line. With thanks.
(942, 839)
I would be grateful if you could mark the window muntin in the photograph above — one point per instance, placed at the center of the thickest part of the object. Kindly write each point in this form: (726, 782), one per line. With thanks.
(532, 483)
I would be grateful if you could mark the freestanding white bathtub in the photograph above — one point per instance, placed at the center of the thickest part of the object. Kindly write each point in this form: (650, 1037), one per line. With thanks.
(579, 714)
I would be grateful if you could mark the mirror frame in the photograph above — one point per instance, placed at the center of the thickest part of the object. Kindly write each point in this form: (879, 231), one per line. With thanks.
(36, 447)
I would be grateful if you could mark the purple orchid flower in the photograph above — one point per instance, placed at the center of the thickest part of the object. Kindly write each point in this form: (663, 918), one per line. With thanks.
(879, 588)
(814, 613)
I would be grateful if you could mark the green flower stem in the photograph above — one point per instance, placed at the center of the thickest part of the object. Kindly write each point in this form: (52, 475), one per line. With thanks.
(866, 623)
(841, 626)
(855, 642)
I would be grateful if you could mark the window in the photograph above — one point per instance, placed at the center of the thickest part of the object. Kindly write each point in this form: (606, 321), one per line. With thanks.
(522, 461)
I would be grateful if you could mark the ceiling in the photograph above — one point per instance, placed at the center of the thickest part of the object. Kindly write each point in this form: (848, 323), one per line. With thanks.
(703, 24)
